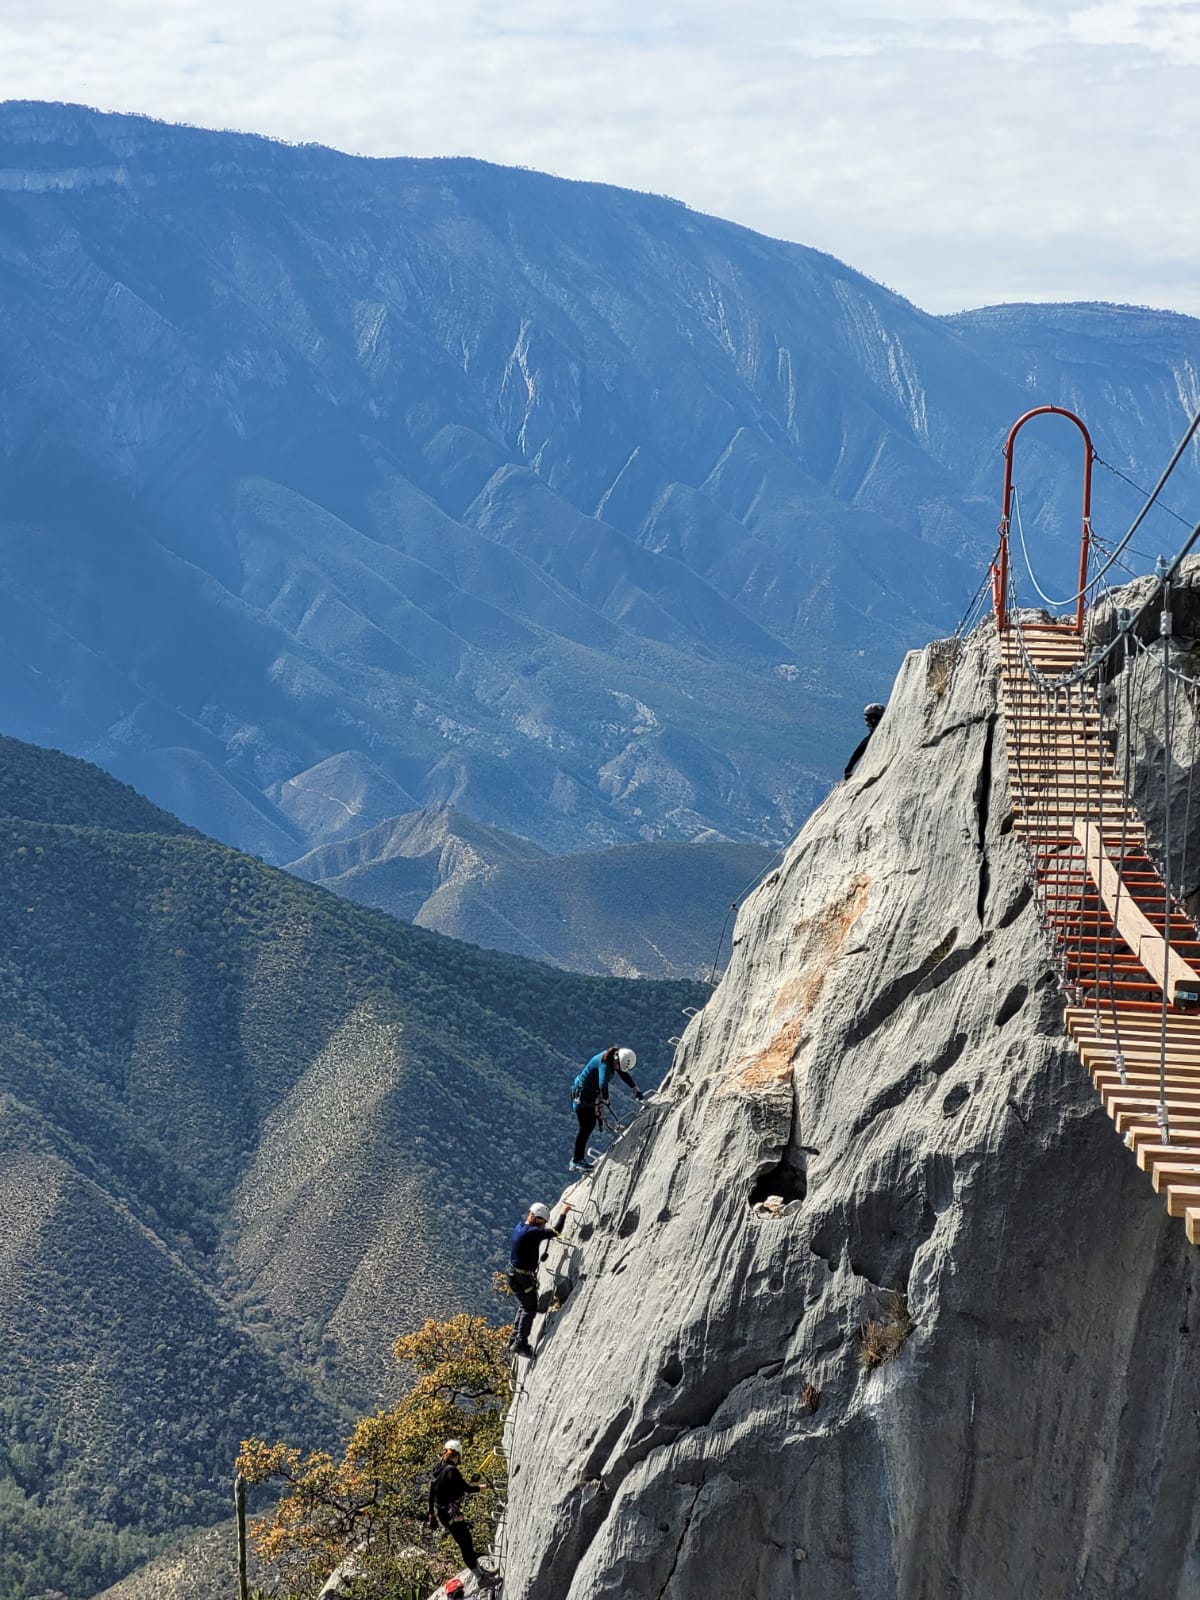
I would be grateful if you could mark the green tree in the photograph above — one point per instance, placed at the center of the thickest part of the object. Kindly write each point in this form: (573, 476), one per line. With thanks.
(373, 1501)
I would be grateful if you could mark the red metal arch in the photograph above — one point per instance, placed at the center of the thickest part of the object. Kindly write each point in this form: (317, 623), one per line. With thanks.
(1000, 565)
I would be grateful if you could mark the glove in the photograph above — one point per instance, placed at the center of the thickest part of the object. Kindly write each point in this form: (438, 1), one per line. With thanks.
(639, 1096)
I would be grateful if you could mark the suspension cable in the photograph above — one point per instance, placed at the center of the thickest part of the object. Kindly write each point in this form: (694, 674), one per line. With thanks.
(1145, 493)
(1173, 567)
(1165, 630)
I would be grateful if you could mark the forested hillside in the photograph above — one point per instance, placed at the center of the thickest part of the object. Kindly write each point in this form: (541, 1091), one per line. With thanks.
(248, 1132)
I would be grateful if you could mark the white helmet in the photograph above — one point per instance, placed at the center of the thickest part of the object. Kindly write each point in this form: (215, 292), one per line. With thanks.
(541, 1211)
(453, 1444)
(627, 1058)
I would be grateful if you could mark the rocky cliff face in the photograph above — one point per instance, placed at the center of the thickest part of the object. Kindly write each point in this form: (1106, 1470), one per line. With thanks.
(885, 1055)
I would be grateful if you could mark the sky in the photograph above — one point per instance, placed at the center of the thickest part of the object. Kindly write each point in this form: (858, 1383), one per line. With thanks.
(963, 153)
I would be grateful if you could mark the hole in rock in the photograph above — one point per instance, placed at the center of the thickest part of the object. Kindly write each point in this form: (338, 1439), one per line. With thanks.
(886, 1227)
(664, 1215)
(948, 1054)
(1015, 907)
(939, 1182)
(774, 1285)
(1013, 1002)
(955, 1100)
(823, 1247)
(672, 1370)
(586, 1232)
(629, 1223)
(786, 1180)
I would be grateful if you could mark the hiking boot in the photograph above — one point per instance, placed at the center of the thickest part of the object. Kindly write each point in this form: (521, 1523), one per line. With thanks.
(581, 1166)
(485, 1580)
(523, 1349)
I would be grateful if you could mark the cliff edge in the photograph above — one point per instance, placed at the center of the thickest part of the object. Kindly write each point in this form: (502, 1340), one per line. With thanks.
(885, 1054)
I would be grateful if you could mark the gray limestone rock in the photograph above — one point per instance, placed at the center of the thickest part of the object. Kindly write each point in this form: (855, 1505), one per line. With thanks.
(885, 1056)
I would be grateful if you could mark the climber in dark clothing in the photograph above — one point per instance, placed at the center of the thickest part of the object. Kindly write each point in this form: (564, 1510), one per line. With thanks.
(527, 1240)
(589, 1096)
(873, 715)
(447, 1490)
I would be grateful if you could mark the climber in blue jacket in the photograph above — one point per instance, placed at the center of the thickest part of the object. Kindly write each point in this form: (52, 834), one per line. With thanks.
(589, 1096)
(527, 1240)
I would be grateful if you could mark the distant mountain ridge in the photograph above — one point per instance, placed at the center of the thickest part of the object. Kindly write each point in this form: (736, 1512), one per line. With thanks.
(635, 911)
(248, 1133)
(400, 864)
(332, 489)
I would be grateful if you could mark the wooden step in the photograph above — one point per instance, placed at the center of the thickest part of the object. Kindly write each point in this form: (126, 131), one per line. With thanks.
(1097, 885)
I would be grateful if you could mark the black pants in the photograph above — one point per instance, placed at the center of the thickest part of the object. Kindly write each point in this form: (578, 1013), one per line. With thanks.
(524, 1287)
(460, 1531)
(587, 1121)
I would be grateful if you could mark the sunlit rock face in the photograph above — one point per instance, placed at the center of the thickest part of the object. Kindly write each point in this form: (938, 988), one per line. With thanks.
(885, 1056)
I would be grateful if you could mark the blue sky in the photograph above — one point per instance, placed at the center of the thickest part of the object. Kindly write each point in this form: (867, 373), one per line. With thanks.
(962, 152)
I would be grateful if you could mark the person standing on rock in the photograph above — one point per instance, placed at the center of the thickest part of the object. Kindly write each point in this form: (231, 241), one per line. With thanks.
(447, 1491)
(873, 716)
(528, 1238)
(590, 1096)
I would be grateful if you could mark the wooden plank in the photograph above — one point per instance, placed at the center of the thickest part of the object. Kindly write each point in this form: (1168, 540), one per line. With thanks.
(1184, 1064)
(1186, 1126)
(1139, 1035)
(1140, 1127)
(1144, 1076)
(1168, 969)
(1180, 1197)
(1178, 1082)
(1100, 1023)
(1162, 1177)
(1142, 1053)
(1181, 1151)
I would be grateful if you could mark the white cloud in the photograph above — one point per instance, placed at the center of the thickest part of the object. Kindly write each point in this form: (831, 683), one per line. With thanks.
(961, 150)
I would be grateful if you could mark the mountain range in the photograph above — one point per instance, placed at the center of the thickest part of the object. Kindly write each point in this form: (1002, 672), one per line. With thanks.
(249, 1132)
(636, 911)
(333, 489)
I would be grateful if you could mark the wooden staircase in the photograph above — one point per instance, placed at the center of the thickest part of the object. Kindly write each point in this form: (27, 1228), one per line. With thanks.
(1120, 943)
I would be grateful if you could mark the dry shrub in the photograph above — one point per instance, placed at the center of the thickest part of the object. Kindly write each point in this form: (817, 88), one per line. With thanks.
(881, 1337)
